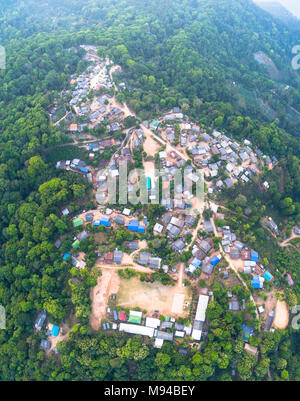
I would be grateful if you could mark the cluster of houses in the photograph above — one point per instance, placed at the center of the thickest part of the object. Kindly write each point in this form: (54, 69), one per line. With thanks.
(107, 218)
(82, 84)
(52, 330)
(200, 258)
(236, 250)
(232, 161)
(175, 227)
(160, 331)
(76, 165)
(95, 111)
(146, 259)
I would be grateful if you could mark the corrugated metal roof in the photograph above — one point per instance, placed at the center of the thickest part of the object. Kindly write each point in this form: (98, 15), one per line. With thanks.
(137, 329)
(201, 307)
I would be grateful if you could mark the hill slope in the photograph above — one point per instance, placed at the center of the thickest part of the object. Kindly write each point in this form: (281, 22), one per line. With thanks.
(278, 11)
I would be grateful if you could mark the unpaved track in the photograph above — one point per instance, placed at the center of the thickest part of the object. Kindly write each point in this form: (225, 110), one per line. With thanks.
(286, 241)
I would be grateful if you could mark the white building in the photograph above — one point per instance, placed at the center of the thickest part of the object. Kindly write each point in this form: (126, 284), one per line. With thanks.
(152, 322)
(158, 228)
(137, 329)
(201, 307)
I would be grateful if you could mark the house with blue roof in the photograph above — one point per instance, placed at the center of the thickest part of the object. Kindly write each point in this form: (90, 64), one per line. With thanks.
(141, 229)
(254, 256)
(133, 225)
(55, 331)
(104, 221)
(257, 282)
(267, 276)
(247, 332)
(215, 260)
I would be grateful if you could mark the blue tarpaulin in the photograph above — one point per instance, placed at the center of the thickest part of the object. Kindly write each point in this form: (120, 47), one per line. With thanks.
(55, 331)
(66, 256)
(215, 260)
(105, 223)
(133, 225)
(141, 229)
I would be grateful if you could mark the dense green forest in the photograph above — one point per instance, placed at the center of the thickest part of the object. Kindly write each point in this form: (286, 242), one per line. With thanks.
(196, 54)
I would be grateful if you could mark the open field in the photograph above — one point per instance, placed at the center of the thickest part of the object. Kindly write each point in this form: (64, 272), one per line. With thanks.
(108, 284)
(151, 146)
(281, 319)
(153, 296)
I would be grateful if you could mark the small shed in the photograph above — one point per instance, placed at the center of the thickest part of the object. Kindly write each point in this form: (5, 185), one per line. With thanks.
(77, 222)
(45, 344)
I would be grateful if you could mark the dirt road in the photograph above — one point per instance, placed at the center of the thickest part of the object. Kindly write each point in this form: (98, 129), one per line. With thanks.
(57, 122)
(286, 241)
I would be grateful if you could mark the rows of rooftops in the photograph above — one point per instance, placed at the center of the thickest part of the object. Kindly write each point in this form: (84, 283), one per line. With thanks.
(234, 163)
(241, 160)
(76, 165)
(175, 227)
(217, 142)
(250, 262)
(98, 109)
(94, 77)
(107, 217)
(167, 329)
(52, 330)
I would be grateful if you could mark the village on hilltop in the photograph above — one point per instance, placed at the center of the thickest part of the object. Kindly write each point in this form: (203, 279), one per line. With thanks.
(184, 242)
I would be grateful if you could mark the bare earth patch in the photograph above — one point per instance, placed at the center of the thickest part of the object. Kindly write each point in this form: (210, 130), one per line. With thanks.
(152, 296)
(108, 284)
(151, 147)
(281, 319)
(177, 305)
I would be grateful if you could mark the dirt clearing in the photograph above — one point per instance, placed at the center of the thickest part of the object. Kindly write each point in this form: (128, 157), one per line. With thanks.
(178, 302)
(152, 296)
(108, 284)
(281, 319)
(151, 147)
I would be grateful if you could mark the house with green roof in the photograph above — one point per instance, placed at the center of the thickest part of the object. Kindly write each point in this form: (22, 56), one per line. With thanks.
(77, 222)
(135, 317)
(76, 244)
